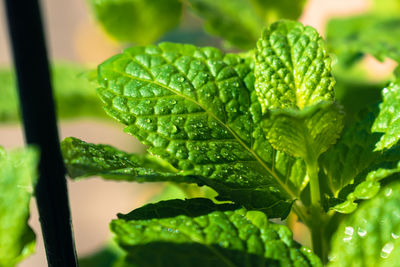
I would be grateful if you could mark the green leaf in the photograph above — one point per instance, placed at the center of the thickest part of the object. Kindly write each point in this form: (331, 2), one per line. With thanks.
(369, 236)
(75, 95)
(197, 232)
(196, 109)
(388, 120)
(85, 159)
(17, 179)
(271, 10)
(365, 190)
(292, 67)
(234, 20)
(137, 21)
(305, 133)
(367, 34)
(247, 18)
(107, 256)
(352, 155)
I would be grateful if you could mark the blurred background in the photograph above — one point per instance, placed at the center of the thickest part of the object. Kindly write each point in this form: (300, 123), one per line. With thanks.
(75, 38)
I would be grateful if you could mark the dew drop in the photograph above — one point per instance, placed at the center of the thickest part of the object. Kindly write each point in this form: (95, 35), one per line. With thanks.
(348, 231)
(173, 102)
(395, 236)
(361, 232)
(387, 249)
(388, 192)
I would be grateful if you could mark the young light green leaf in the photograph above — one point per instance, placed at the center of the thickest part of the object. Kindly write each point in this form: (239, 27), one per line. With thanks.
(367, 34)
(305, 133)
(388, 120)
(75, 95)
(197, 232)
(365, 190)
(292, 67)
(223, 16)
(17, 180)
(137, 21)
(369, 236)
(196, 109)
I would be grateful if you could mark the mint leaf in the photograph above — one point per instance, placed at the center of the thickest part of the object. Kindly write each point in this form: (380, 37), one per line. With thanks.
(388, 120)
(305, 133)
(197, 232)
(17, 179)
(75, 95)
(137, 21)
(85, 159)
(365, 190)
(292, 67)
(196, 109)
(222, 16)
(352, 155)
(367, 34)
(368, 236)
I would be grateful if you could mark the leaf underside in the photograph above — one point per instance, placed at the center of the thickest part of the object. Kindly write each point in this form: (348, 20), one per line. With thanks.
(197, 109)
(197, 232)
(303, 132)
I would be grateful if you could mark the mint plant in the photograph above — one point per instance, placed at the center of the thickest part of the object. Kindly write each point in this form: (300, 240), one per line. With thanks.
(261, 128)
(267, 131)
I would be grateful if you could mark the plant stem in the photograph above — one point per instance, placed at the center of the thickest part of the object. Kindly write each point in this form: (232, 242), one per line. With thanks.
(312, 173)
(316, 224)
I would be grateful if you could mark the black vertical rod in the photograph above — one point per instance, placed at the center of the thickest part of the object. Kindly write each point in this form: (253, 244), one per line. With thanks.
(40, 125)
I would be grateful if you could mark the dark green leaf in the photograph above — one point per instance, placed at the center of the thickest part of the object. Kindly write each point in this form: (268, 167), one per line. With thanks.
(196, 109)
(369, 236)
(137, 21)
(197, 232)
(17, 180)
(107, 256)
